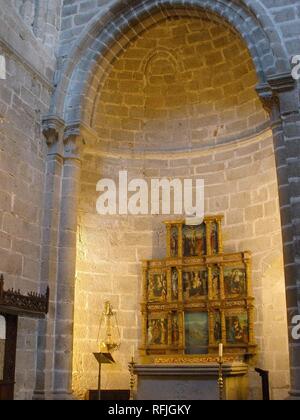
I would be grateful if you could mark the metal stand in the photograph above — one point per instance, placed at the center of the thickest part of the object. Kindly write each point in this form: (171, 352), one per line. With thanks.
(102, 358)
(265, 383)
(221, 380)
(99, 383)
(132, 378)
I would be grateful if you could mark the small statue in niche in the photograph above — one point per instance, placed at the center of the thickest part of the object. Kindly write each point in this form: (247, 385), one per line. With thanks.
(174, 242)
(193, 244)
(218, 329)
(174, 283)
(186, 285)
(198, 284)
(163, 331)
(214, 238)
(175, 330)
(216, 283)
(164, 287)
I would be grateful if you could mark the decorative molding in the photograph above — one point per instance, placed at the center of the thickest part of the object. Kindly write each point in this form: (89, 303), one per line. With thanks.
(198, 366)
(31, 305)
(73, 141)
(167, 154)
(282, 82)
(52, 127)
(161, 53)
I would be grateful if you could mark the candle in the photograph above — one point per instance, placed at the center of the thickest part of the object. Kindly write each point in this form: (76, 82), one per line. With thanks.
(220, 350)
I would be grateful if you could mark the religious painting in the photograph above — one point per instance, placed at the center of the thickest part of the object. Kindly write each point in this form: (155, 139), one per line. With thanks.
(214, 241)
(174, 241)
(237, 328)
(175, 330)
(158, 331)
(157, 289)
(195, 284)
(196, 332)
(194, 243)
(235, 281)
(215, 272)
(174, 283)
(217, 327)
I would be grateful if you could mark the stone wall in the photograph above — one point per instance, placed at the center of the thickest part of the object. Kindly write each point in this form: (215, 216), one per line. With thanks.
(186, 83)
(165, 111)
(24, 98)
(43, 18)
(285, 13)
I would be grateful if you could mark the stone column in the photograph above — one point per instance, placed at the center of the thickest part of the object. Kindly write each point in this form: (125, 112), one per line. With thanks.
(53, 130)
(65, 290)
(280, 97)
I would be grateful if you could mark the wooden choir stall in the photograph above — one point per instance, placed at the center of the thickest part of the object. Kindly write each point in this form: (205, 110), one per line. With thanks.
(12, 306)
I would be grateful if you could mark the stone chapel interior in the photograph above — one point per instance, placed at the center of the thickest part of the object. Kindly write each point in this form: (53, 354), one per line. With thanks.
(169, 89)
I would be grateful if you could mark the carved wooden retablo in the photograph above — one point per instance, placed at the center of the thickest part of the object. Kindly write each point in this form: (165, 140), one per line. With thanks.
(198, 296)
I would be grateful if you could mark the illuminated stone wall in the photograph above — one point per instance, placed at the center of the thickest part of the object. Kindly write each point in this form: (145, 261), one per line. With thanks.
(24, 99)
(180, 102)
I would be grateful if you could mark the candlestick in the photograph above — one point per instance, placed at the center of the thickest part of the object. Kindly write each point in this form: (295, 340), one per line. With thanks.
(220, 379)
(221, 350)
(132, 378)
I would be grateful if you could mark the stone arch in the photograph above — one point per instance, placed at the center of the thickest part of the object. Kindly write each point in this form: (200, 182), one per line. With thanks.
(107, 36)
(109, 33)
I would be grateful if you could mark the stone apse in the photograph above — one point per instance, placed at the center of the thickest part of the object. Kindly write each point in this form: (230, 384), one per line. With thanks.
(176, 90)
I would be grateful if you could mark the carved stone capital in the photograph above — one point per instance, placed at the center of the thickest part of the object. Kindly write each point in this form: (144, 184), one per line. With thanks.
(52, 127)
(268, 97)
(73, 142)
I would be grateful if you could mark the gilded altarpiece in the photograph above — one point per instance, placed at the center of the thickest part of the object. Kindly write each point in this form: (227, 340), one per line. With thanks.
(198, 296)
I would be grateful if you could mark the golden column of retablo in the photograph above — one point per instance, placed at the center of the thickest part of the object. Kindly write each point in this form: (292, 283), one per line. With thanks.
(144, 308)
(180, 240)
(248, 263)
(222, 295)
(180, 285)
(168, 227)
(223, 325)
(169, 328)
(210, 285)
(211, 328)
(181, 332)
(208, 237)
(169, 284)
(222, 284)
(220, 236)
